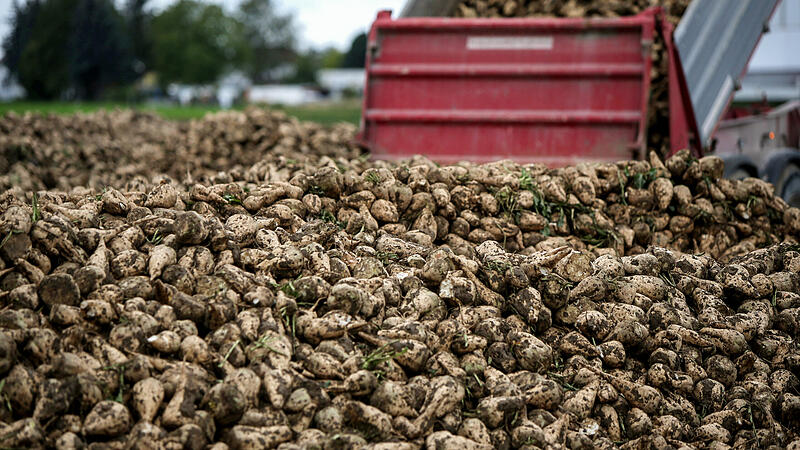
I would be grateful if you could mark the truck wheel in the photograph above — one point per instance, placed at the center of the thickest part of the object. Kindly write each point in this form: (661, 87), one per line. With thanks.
(788, 185)
(739, 174)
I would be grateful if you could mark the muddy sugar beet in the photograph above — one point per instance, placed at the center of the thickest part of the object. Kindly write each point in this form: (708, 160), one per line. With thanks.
(690, 355)
(329, 301)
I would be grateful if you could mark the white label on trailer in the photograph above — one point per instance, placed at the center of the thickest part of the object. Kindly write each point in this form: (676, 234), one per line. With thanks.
(509, 42)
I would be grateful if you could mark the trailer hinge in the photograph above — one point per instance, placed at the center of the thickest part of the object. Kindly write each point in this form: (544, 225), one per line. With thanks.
(374, 50)
(647, 44)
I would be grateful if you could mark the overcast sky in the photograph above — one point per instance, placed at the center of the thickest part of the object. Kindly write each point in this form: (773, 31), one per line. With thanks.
(321, 22)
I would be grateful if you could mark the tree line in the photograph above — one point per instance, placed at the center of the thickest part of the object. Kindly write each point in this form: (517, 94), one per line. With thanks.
(87, 49)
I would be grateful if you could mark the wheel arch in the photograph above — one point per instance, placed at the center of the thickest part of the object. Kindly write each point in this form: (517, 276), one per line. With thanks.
(778, 161)
(735, 163)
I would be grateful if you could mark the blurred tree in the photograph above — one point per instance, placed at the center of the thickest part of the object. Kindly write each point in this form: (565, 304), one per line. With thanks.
(36, 47)
(356, 56)
(306, 66)
(139, 21)
(98, 53)
(332, 59)
(196, 43)
(270, 37)
(23, 19)
(67, 48)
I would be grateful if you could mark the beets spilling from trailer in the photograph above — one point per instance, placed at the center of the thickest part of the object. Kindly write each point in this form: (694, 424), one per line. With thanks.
(250, 281)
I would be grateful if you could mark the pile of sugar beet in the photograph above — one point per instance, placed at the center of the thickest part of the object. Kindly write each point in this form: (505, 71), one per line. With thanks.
(124, 148)
(673, 9)
(309, 299)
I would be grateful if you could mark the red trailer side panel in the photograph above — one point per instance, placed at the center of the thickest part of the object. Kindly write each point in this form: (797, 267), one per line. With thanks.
(556, 91)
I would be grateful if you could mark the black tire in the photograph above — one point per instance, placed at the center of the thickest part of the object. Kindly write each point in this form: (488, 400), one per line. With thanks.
(739, 174)
(739, 167)
(788, 185)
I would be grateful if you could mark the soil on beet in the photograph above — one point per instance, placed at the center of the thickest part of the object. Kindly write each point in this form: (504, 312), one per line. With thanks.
(248, 281)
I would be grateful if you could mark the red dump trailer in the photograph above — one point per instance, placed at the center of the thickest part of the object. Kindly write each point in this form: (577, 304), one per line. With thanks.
(553, 91)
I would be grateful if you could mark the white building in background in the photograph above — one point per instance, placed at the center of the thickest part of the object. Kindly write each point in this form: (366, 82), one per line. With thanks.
(284, 94)
(186, 94)
(9, 88)
(231, 87)
(340, 81)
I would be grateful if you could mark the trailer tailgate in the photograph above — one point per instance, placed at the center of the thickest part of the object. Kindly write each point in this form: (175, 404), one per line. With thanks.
(555, 91)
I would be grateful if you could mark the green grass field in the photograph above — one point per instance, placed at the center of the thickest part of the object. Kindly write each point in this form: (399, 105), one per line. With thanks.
(325, 113)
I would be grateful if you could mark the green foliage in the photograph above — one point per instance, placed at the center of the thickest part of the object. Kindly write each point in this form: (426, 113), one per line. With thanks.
(372, 177)
(68, 48)
(643, 179)
(42, 68)
(540, 205)
(289, 289)
(565, 212)
(156, 238)
(84, 49)
(306, 66)
(23, 20)
(6, 238)
(387, 257)
(120, 369)
(228, 353)
(138, 23)
(380, 355)
(526, 180)
(622, 189)
(507, 200)
(328, 216)
(99, 53)
(356, 55)
(264, 341)
(560, 379)
(331, 59)
(269, 37)
(498, 266)
(290, 321)
(601, 237)
(4, 400)
(36, 214)
(232, 199)
(196, 43)
(325, 114)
